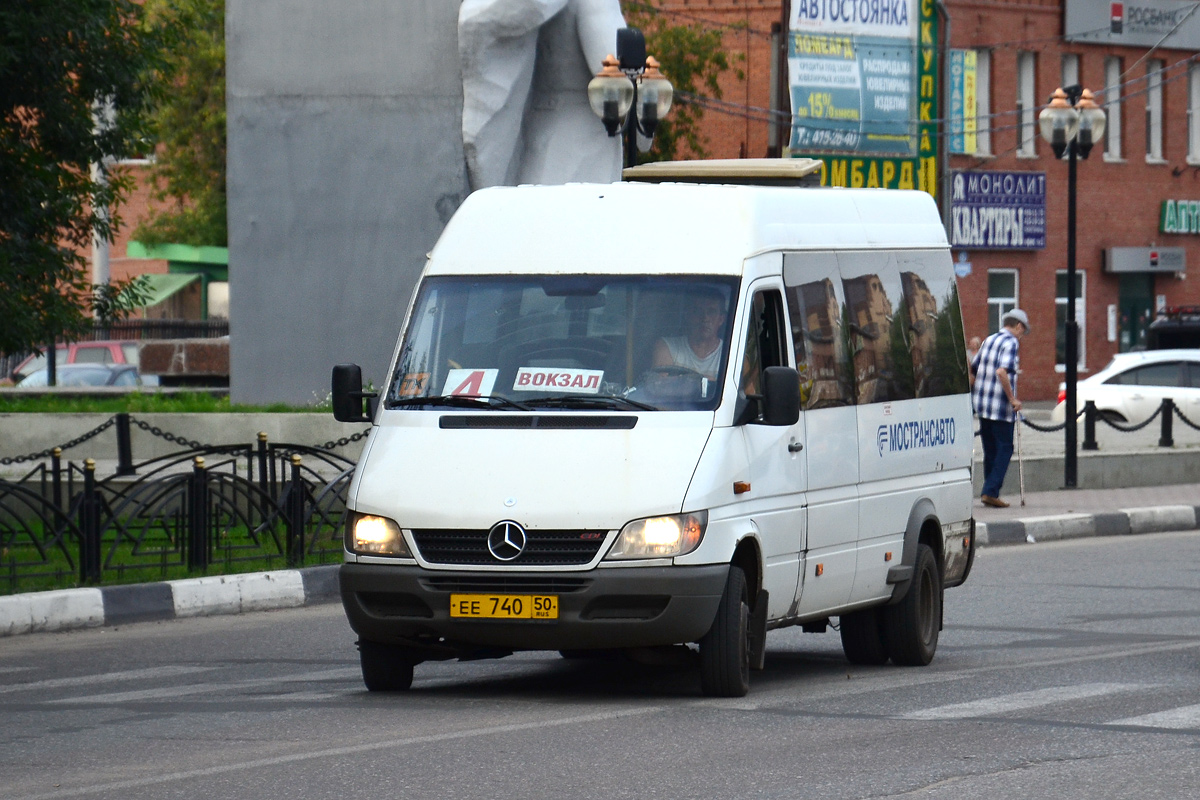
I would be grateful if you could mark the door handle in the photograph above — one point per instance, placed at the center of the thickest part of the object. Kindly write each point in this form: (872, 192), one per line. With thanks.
(795, 447)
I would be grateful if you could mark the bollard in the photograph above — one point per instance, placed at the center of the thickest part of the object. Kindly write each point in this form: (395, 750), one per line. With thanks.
(124, 448)
(1089, 426)
(1167, 438)
(295, 516)
(263, 483)
(197, 524)
(89, 526)
(56, 476)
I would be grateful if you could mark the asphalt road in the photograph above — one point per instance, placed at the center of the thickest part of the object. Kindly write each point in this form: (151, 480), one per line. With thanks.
(1065, 670)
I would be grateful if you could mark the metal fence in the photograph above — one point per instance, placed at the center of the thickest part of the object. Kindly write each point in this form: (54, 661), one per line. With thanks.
(206, 509)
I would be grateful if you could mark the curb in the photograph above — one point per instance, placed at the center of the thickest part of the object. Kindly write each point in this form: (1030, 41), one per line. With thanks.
(1123, 522)
(71, 609)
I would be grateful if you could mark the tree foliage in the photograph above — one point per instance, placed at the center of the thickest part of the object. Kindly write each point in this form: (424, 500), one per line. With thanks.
(189, 124)
(63, 65)
(693, 58)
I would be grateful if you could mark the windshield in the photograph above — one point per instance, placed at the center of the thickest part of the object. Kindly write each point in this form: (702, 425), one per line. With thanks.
(577, 342)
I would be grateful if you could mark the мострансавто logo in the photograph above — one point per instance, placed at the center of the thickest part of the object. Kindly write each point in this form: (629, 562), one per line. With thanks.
(913, 435)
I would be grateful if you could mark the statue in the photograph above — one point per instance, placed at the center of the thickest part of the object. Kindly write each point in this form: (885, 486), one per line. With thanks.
(525, 69)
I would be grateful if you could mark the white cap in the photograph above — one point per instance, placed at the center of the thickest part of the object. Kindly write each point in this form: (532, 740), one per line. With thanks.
(1016, 315)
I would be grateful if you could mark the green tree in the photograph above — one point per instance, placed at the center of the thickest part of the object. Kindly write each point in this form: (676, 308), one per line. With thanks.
(63, 66)
(189, 124)
(692, 57)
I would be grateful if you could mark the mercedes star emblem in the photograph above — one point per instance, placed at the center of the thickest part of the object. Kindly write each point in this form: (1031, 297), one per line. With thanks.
(506, 540)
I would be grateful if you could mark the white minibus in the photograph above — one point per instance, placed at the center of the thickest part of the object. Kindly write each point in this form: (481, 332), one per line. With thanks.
(636, 416)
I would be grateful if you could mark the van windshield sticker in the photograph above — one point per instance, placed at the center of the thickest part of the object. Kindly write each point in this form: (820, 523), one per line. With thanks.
(470, 382)
(901, 436)
(540, 379)
(413, 384)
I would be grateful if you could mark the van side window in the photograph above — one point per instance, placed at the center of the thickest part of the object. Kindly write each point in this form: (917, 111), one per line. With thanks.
(766, 342)
(822, 351)
(878, 341)
(934, 321)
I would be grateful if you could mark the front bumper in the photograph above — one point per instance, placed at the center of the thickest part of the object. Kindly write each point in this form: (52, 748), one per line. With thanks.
(601, 608)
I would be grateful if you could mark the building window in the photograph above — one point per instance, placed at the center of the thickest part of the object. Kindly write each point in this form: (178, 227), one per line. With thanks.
(1002, 296)
(1112, 108)
(1193, 115)
(1027, 134)
(1154, 111)
(1070, 70)
(1060, 318)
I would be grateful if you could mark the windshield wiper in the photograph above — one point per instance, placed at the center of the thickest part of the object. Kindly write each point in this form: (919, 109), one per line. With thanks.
(610, 401)
(459, 401)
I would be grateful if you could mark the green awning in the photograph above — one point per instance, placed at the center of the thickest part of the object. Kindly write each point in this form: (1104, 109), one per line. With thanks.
(163, 286)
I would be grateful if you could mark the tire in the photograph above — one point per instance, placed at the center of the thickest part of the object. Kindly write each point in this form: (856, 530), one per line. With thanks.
(911, 626)
(385, 668)
(1108, 415)
(725, 649)
(863, 641)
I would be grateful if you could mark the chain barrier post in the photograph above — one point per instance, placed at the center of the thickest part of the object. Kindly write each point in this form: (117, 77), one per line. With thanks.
(1089, 426)
(1167, 439)
(124, 448)
(262, 462)
(197, 524)
(295, 516)
(56, 476)
(89, 525)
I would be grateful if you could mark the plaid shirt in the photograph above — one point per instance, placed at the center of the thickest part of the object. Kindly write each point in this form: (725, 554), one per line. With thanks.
(987, 396)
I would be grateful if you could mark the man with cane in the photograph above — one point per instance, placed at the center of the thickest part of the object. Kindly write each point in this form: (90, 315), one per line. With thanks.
(994, 396)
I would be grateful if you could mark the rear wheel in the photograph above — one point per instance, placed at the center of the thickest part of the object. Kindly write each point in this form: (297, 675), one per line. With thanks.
(385, 667)
(911, 626)
(862, 637)
(725, 649)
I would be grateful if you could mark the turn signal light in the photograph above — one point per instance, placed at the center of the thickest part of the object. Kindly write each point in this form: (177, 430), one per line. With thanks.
(820, 570)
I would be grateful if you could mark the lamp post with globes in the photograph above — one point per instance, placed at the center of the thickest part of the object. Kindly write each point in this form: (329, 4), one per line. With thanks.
(630, 95)
(1072, 123)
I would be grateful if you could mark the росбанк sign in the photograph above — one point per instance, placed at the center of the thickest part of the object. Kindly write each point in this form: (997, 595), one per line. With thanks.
(998, 210)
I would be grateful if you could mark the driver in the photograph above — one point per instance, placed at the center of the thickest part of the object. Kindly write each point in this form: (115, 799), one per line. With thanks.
(700, 348)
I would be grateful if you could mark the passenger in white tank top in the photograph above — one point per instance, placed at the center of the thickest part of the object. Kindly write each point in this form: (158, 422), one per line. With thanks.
(700, 349)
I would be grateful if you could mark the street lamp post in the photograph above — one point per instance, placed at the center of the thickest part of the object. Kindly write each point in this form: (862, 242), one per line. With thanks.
(1071, 124)
(630, 94)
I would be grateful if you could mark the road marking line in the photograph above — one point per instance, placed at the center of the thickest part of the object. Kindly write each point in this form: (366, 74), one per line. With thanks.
(337, 752)
(212, 688)
(168, 671)
(1021, 701)
(1174, 718)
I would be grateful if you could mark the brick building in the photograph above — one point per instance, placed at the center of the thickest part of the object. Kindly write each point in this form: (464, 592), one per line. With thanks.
(1137, 215)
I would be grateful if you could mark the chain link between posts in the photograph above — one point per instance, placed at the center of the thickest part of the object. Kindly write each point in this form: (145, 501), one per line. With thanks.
(154, 430)
(1185, 420)
(345, 440)
(1130, 428)
(49, 451)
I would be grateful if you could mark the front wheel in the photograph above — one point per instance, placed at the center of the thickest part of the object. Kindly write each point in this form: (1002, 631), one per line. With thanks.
(385, 667)
(911, 626)
(725, 649)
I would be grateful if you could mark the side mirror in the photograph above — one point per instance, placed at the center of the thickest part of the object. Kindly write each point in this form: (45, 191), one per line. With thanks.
(781, 396)
(348, 395)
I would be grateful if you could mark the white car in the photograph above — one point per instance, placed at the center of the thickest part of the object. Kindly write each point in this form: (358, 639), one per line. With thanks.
(1133, 385)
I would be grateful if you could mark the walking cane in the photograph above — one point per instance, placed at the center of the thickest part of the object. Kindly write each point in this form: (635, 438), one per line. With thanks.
(1020, 459)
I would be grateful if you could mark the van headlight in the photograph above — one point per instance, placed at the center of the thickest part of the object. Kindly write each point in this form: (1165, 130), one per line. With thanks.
(369, 535)
(660, 537)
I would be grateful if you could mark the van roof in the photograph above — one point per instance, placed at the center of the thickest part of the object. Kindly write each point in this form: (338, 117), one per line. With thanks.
(636, 228)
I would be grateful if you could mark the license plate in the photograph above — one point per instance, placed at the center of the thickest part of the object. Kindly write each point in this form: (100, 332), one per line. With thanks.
(504, 606)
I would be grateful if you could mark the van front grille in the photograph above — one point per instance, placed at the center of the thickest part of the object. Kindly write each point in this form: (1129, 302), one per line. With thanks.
(542, 547)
